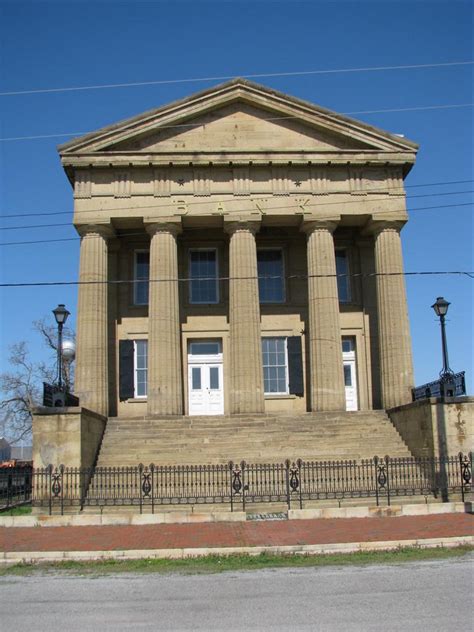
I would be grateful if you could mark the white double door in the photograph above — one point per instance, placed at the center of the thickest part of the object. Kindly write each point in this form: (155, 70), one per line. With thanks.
(205, 384)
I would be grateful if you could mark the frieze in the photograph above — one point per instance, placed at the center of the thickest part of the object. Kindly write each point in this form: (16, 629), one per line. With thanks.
(240, 181)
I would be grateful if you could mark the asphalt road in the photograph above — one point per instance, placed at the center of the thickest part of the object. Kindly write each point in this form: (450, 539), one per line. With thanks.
(416, 596)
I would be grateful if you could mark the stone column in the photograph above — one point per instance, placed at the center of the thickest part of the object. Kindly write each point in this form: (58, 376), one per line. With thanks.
(247, 393)
(91, 378)
(396, 366)
(325, 343)
(165, 392)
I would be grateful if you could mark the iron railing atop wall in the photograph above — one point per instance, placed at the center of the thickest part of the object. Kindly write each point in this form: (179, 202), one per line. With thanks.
(15, 486)
(242, 485)
(452, 385)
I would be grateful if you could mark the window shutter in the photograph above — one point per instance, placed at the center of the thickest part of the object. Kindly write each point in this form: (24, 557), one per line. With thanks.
(295, 365)
(126, 381)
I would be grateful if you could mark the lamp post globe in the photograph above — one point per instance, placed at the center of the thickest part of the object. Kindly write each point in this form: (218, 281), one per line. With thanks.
(68, 350)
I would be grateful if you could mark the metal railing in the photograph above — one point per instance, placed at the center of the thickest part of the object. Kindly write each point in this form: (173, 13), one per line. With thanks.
(242, 485)
(15, 486)
(452, 385)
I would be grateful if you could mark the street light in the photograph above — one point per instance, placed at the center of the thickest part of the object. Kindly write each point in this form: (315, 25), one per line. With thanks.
(60, 314)
(447, 376)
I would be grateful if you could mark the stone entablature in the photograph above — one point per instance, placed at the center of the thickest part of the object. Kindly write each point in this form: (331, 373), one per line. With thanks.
(242, 180)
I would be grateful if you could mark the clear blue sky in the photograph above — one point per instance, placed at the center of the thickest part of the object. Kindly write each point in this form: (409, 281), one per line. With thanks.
(61, 44)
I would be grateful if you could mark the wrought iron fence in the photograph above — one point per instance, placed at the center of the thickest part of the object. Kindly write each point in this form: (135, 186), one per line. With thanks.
(242, 485)
(15, 486)
(453, 384)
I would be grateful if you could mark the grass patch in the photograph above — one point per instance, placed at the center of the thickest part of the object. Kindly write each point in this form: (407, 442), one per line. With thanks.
(219, 563)
(23, 510)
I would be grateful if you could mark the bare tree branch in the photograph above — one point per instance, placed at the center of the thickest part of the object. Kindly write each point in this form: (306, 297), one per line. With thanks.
(21, 387)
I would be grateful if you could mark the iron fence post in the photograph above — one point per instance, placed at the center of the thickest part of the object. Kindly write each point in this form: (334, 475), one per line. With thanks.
(231, 481)
(287, 481)
(50, 487)
(152, 471)
(376, 478)
(242, 467)
(61, 472)
(140, 473)
(299, 464)
(387, 466)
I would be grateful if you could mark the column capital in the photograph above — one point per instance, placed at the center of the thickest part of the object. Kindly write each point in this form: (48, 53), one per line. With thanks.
(235, 226)
(310, 225)
(376, 226)
(104, 230)
(174, 227)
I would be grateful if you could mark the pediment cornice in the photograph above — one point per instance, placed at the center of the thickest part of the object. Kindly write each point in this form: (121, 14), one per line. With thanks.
(362, 139)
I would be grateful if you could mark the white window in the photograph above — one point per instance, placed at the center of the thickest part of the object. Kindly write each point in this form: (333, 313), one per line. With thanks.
(271, 275)
(141, 277)
(203, 274)
(140, 367)
(275, 365)
(343, 282)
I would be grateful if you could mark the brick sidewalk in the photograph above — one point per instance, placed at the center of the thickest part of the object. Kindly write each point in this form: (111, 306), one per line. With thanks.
(241, 534)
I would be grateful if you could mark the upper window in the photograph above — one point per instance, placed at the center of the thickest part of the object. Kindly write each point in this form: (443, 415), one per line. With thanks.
(141, 277)
(203, 273)
(275, 365)
(343, 282)
(271, 277)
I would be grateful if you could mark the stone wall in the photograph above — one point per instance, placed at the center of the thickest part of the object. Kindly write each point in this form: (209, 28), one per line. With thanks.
(69, 436)
(436, 426)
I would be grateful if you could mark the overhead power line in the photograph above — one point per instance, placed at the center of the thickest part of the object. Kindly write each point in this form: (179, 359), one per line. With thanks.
(469, 274)
(251, 199)
(277, 118)
(296, 73)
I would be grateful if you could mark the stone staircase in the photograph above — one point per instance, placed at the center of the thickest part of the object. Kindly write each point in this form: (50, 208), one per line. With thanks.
(256, 439)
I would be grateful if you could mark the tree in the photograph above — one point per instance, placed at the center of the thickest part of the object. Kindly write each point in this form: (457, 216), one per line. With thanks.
(21, 387)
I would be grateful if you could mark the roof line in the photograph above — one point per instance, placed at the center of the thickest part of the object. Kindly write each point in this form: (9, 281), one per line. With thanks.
(240, 82)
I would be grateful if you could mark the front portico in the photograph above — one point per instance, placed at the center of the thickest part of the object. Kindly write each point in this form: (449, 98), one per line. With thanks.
(226, 218)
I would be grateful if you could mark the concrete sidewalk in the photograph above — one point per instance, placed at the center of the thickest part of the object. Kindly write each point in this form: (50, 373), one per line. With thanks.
(313, 536)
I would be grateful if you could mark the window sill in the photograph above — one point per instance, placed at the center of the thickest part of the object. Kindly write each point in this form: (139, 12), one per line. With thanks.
(280, 396)
(137, 400)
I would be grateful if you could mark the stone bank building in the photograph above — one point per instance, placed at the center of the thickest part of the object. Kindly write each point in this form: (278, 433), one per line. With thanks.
(240, 253)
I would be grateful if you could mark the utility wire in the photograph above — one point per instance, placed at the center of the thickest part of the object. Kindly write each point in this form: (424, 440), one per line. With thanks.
(270, 208)
(470, 274)
(379, 213)
(278, 118)
(228, 77)
(192, 202)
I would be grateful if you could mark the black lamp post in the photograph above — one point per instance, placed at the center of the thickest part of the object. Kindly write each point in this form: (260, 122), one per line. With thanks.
(60, 314)
(446, 375)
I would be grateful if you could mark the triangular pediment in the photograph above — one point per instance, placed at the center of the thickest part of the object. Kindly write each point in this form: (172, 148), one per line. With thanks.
(239, 126)
(238, 116)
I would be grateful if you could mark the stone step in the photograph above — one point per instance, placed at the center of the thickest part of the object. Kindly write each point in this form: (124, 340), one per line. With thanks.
(253, 438)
